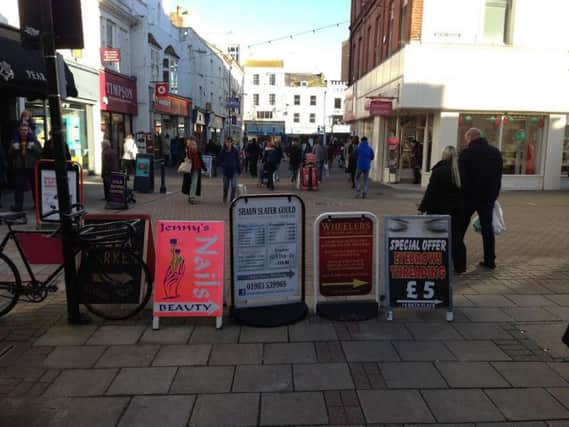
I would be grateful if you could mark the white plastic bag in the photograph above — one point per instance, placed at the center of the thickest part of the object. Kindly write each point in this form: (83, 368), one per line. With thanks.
(498, 223)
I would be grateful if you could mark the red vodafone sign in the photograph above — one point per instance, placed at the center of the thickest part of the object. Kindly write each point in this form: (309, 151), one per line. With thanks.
(161, 90)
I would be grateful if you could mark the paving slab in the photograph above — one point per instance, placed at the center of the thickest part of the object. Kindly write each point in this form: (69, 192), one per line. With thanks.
(373, 330)
(560, 312)
(471, 375)
(236, 354)
(514, 424)
(559, 299)
(167, 335)
(263, 335)
(66, 335)
(263, 378)
(486, 314)
(229, 334)
(433, 331)
(306, 408)
(394, 406)
(152, 411)
(182, 355)
(127, 356)
(411, 375)
(322, 376)
(561, 394)
(73, 357)
(482, 331)
(562, 368)
(532, 314)
(369, 351)
(203, 379)
(81, 382)
(422, 351)
(531, 300)
(476, 351)
(312, 332)
(456, 406)
(488, 301)
(529, 374)
(527, 404)
(548, 337)
(133, 381)
(235, 409)
(289, 353)
(116, 335)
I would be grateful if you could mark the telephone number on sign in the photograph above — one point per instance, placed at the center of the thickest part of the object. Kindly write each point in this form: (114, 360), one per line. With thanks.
(266, 285)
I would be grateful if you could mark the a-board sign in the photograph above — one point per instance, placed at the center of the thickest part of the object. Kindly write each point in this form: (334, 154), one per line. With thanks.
(117, 191)
(267, 250)
(46, 188)
(189, 278)
(144, 173)
(417, 255)
(345, 269)
(142, 246)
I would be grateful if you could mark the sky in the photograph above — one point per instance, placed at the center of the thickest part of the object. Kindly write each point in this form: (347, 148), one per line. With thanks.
(252, 21)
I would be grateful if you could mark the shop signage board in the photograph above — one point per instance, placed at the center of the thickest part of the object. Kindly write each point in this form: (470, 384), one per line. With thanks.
(267, 259)
(144, 173)
(418, 275)
(346, 275)
(46, 188)
(117, 191)
(189, 279)
(110, 54)
(118, 93)
(161, 89)
(379, 107)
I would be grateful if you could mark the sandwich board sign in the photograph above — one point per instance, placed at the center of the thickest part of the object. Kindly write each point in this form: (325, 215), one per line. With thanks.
(417, 263)
(189, 275)
(267, 259)
(346, 274)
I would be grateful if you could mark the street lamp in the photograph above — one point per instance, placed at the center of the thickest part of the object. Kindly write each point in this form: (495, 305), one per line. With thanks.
(324, 114)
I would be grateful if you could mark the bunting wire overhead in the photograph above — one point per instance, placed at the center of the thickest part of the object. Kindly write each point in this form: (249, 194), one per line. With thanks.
(302, 33)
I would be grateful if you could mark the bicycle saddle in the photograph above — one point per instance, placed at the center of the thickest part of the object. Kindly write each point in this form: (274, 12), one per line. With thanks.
(12, 217)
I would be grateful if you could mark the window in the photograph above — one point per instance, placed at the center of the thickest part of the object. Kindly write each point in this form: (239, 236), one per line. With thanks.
(256, 79)
(312, 99)
(497, 21)
(369, 48)
(519, 138)
(272, 79)
(296, 99)
(110, 33)
(155, 64)
(272, 98)
(173, 76)
(296, 117)
(255, 99)
(165, 70)
(264, 114)
(312, 118)
(403, 23)
(337, 103)
(565, 160)
(390, 30)
(377, 49)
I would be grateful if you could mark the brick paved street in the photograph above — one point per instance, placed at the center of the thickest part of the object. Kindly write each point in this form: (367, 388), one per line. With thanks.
(501, 362)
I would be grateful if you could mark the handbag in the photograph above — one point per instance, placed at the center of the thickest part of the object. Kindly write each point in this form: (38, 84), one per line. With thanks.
(185, 166)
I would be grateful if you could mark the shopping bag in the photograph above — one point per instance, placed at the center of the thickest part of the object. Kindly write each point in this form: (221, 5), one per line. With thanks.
(498, 223)
(185, 166)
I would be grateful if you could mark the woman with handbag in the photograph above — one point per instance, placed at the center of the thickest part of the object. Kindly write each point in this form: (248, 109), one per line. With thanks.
(192, 168)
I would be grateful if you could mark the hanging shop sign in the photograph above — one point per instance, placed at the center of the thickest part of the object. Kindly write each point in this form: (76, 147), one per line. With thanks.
(46, 189)
(417, 254)
(345, 249)
(267, 259)
(161, 89)
(379, 107)
(110, 54)
(189, 269)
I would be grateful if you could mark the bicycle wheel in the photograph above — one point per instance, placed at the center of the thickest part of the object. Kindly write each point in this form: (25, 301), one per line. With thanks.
(10, 284)
(115, 283)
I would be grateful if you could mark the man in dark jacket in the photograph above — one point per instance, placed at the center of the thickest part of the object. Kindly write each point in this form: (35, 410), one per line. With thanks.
(253, 152)
(481, 175)
(110, 164)
(228, 160)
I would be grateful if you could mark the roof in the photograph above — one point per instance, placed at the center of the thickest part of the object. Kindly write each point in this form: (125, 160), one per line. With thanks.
(265, 63)
(170, 51)
(152, 40)
(312, 80)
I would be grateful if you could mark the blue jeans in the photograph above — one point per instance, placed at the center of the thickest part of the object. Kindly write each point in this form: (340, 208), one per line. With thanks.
(226, 181)
(365, 175)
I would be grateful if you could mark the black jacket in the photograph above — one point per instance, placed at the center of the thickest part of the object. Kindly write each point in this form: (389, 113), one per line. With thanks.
(481, 172)
(442, 197)
(229, 161)
(295, 155)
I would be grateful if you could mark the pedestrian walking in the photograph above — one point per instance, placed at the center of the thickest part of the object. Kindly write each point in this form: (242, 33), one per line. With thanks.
(228, 160)
(444, 197)
(352, 156)
(23, 154)
(417, 161)
(192, 182)
(365, 155)
(321, 158)
(295, 159)
(480, 167)
(130, 151)
(270, 162)
(254, 152)
(110, 164)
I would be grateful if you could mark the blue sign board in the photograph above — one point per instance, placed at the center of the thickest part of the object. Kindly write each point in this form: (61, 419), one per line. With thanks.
(233, 102)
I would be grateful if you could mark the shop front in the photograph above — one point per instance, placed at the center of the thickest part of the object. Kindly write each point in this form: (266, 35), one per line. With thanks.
(171, 118)
(118, 106)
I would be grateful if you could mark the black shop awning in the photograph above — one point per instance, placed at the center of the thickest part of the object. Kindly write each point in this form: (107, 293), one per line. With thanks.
(23, 72)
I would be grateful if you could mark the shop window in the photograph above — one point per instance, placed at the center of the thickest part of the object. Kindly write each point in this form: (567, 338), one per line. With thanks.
(296, 99)
(489, 125)
(565, 161)
(255, 99)
(337, 103)
(296, 117)
(256, 79)
(312, 118)
(497, 21)
(272, 99)
(312, 99)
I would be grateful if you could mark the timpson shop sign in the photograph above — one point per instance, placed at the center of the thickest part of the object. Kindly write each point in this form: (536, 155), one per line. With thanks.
(118, 93)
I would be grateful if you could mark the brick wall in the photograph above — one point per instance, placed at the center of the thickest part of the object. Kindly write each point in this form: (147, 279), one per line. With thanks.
(416, 19)
(345, 61)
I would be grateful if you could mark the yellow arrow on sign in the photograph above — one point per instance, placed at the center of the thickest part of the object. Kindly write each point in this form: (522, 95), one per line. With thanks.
(356, 283)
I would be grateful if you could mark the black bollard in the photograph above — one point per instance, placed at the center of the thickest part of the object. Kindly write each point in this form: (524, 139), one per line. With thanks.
(162, 178)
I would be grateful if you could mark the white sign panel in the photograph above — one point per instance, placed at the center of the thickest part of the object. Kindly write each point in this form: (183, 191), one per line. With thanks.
(48, 194)
(266, 249)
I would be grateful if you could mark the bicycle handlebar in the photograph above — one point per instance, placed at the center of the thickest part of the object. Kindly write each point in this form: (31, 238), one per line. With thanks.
(80, 211)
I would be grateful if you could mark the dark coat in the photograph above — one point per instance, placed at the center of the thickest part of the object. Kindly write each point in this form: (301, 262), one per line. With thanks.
(442, 196)
(481, 172)
(229, 162)
(110, 162)
(187, 180)
(295, 155)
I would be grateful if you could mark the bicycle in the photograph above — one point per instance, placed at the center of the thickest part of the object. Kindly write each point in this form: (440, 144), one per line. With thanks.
(111, 290)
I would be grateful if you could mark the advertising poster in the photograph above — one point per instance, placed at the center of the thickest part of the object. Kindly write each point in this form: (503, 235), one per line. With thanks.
(143, 166)
(48, 192)
(189, 275)
(346, 250)
(266, 249)
(118, 189)
(417, 257)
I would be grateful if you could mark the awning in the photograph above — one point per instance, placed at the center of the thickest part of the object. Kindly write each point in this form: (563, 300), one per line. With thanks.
(23, 72)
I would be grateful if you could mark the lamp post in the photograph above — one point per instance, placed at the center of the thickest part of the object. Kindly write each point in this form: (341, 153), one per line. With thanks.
(324, 115)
